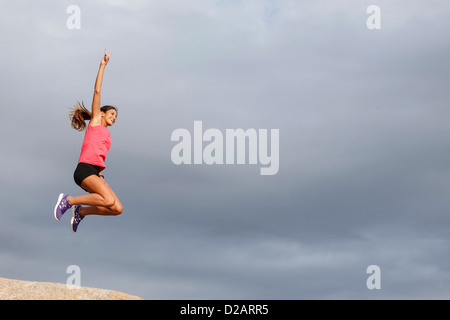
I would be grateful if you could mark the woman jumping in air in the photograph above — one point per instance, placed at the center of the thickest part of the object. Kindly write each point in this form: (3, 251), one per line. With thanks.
(101, 199)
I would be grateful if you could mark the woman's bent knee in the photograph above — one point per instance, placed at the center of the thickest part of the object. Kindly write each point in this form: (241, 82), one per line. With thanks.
(109, 201)
(117, 209)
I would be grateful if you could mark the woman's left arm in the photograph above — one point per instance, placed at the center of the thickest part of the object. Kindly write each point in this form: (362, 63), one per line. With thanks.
(96, 113)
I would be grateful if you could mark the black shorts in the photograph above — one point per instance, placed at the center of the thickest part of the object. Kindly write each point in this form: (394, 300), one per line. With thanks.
(83, 171)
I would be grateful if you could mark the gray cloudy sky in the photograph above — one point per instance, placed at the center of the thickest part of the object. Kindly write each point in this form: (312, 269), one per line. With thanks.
(364, 171)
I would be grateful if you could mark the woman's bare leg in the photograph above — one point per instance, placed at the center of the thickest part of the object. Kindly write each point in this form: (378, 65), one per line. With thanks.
(101, 198)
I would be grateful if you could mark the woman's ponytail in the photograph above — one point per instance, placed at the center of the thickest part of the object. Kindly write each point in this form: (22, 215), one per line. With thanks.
(78, 116)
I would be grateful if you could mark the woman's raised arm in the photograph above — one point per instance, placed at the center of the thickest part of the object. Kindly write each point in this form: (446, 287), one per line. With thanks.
(96, 113)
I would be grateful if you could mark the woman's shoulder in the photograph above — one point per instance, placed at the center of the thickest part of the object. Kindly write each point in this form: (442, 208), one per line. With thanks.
(98, 127)
(95, 121)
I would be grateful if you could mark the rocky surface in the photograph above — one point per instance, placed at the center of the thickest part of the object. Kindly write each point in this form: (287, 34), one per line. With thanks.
(29, 290)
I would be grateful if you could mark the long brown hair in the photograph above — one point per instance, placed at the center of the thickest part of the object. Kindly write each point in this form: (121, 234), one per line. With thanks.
(79, 114)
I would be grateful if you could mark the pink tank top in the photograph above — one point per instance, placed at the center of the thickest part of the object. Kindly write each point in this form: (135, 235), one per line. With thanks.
(96, 143)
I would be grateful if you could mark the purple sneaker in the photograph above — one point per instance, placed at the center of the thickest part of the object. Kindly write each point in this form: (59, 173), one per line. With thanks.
(61, 206)
(76, 217)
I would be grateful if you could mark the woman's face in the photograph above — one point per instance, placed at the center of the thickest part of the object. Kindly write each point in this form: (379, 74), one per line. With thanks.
(110, 117)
